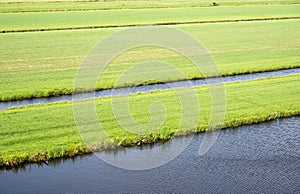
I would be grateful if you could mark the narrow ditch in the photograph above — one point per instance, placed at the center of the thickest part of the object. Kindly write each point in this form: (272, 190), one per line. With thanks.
(147, 88)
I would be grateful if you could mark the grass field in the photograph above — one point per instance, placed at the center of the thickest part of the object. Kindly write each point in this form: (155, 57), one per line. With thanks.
(90, 19)
(49, 67)
(239, 35)
(47, 131)
(69, 5)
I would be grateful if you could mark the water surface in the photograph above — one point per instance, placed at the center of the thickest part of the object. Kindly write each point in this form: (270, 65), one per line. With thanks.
(149, 88)
(262, 158)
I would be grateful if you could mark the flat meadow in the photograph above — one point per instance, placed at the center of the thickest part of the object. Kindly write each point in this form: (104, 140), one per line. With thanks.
(40, 21)
(50, 67)
(8, 6)
(43, 43)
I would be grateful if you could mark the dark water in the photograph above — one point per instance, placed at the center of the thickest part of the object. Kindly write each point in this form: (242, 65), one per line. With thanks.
(263, 158)
(148, 88)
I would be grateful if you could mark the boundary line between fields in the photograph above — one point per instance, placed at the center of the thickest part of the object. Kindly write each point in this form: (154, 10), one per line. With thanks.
(153, 24)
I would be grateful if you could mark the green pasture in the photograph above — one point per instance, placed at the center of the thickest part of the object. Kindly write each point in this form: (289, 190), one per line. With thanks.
(69, 5)
(42, 132)
(45, 63)
(108, 18)
(41, 51)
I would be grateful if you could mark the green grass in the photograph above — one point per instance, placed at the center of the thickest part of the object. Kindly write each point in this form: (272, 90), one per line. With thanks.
(82, 19)
(36, 133)
(147, 2)
(42, 64)
(45, 63)
(38, 6)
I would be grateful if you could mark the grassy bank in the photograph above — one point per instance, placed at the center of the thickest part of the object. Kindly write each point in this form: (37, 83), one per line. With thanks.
(49, 67)
(81, 19)
(37, 133)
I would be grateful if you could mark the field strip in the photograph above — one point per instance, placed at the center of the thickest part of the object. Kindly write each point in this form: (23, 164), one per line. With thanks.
(31, 22)
(43, 68)
(125, 91)
(154, 24)
(44, 132)
(175, 2)
(19, 10)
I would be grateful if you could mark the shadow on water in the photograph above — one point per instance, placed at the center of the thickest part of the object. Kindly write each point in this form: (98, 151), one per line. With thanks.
(146, 88)
(52, 163)
(260, 158)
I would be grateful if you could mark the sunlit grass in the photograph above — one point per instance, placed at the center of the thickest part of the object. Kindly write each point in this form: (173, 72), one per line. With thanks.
(36, 133)
(82, 19)
(70, 5)
(40, 67)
